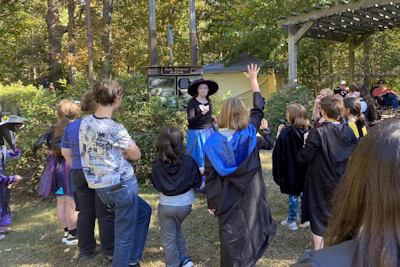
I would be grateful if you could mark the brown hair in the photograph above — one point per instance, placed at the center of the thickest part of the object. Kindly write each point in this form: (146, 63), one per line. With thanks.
(381, 81)
(354, 105)
(364, 93)
(367, 201)
(297, 117)
(106, 91)
(234, 115)
(333, 106)
(88, 104)
(67, 111)
(170, 146)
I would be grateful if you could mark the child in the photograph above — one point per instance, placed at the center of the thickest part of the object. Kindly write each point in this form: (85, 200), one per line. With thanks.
(316, 110)
(327, 150)
(174, 175)
(105, 147)
(355, 118)
(56, 176)
(288, 172)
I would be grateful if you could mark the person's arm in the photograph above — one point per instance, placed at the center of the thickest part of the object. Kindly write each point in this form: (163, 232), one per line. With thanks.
(316, 109)
(267, 140)
(378, 92)
(9, 179)
(133, 152)
(191, 113)
(67, 154)
(312, 144)
(256, 114)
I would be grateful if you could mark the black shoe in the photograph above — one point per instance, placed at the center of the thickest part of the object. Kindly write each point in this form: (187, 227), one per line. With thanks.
(88, 257)
(107, 260)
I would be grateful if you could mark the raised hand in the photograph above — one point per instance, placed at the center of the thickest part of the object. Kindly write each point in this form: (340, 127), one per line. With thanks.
(252, 71)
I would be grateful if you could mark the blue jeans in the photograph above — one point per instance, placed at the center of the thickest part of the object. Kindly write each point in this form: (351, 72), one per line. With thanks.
(391, 99)
(132, 218)
(293, 206)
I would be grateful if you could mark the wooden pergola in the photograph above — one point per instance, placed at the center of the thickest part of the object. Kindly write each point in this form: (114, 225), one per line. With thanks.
(351, 22)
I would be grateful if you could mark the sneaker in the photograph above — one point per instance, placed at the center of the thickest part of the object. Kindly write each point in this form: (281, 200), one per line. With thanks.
(5, 229)
(107, 260)
(65, 237)
(186, 262)
(290, 225)
(72, 240)
(305, 224)
(134, 264)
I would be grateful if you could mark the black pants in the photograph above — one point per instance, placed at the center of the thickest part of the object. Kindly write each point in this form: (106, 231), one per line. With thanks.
(91, 207)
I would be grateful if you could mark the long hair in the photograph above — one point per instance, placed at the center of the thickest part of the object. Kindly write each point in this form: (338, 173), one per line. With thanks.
(170, 146)
(366, 203)
(67, 111)
(364, 93)
(298, 117)
(234, 115)
(354, 105)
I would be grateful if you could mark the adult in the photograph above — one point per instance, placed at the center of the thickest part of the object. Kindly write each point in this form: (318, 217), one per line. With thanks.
(90, 205)
(364, 230)
(235, 188)
(199, 114)
(46, 83)
(387, 95)
(342, 89)
(368, 108)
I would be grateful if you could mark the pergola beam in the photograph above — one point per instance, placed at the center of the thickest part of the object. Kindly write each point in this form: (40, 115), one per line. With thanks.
(303, 31)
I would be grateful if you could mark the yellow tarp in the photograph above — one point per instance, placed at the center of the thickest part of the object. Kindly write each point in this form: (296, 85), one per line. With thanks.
(240, 86)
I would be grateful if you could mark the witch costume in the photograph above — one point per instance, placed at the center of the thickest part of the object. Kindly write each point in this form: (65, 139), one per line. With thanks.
(327, 150)
(200, 126)
(236, 190)
(7, 134)
(56, 177)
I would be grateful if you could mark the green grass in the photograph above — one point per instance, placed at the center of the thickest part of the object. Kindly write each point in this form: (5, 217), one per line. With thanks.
(35, 239)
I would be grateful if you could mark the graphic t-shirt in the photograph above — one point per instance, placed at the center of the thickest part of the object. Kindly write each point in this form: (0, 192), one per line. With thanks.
(101, 142)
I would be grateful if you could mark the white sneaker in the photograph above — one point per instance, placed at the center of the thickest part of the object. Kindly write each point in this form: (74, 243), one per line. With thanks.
(305, 224)
(65, 237)
(188, 264)
(72, 240)
(291, 226)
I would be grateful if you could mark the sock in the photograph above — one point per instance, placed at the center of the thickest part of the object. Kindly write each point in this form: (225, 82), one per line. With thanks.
(65, 229)
(72, 232)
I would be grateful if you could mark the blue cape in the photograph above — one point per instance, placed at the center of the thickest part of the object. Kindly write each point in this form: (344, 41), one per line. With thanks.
(226, 156)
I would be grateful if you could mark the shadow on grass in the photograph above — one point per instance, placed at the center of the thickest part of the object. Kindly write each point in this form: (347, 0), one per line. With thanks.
(36, 235)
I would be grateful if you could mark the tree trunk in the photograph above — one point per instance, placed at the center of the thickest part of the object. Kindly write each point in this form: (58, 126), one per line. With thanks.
(71, 41)
(367, 64)
(106, 39)
(55, 32)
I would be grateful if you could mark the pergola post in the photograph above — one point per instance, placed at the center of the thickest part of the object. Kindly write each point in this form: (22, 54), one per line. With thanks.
(351, 62)
(292, 59)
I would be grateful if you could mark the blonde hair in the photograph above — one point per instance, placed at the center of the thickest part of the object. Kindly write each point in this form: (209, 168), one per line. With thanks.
(297, 116)
(234, 115)
(326, 92)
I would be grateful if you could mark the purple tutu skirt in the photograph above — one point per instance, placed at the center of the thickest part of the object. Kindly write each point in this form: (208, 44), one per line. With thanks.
(56, 178)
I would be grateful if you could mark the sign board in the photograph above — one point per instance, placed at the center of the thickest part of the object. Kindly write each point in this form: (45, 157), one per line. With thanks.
(175, 70)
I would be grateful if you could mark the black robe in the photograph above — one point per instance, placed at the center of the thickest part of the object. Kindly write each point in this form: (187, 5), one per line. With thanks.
(177, 179)
(289, 173)
(327, 150)
(240, 198)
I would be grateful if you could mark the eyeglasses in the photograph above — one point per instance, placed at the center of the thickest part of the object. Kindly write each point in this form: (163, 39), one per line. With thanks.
(381, 83)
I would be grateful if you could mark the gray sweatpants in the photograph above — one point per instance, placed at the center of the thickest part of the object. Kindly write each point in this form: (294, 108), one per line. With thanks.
(171, 218)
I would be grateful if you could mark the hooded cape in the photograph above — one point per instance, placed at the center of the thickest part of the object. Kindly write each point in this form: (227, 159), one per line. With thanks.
(236, 189)
(327, 150)
(289, 173)
(177, 179)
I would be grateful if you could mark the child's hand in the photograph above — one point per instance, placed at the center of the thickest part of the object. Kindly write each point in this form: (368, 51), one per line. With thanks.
(318, 98)
(252, 72)
(211, 211)
(280, 128)
(18, 177)
(205, 110)
(264, 124)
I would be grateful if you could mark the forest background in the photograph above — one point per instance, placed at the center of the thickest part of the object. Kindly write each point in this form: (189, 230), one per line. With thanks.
(49, 38)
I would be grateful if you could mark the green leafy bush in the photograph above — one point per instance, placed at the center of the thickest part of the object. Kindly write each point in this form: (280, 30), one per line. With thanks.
(275, 108)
